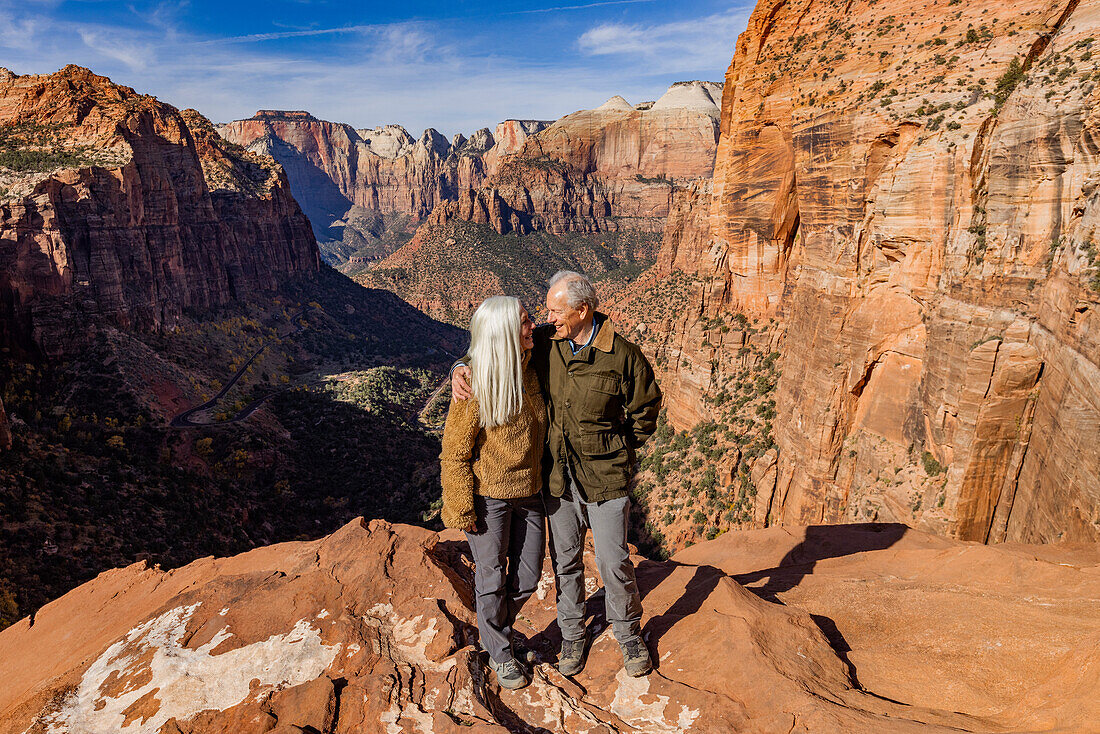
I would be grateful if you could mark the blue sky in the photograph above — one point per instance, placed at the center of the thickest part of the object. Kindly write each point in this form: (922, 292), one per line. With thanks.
(455, 66)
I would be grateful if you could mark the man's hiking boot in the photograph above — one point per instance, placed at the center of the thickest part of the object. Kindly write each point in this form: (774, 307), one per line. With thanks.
(636, 658)
(509, 674)
(572, 656)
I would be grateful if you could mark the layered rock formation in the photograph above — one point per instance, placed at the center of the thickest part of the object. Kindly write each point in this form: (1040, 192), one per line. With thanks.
(590, 192)
(372, 629)
(904, 206)
(599, 170)
(335, 169)
(118, 208)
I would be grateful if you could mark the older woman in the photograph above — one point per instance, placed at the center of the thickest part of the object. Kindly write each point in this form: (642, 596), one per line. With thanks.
(492, 476)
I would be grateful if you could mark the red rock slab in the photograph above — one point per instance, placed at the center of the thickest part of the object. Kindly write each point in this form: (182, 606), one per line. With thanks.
(371, 629)
(1006, 633)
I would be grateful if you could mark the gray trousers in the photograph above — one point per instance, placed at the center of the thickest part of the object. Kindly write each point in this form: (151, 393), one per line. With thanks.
(570, 515)
(507, 551)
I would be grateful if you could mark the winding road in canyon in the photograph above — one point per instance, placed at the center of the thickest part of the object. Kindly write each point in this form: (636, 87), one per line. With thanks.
(183, 420)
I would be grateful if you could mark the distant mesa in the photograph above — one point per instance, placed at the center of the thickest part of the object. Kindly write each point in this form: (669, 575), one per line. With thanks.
(284, 114)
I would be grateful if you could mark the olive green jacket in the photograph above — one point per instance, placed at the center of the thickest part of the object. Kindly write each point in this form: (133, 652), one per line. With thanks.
(603, 404)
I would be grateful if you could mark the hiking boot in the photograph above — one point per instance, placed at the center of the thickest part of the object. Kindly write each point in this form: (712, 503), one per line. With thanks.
(509, 674)
(636, 658)
(523, 653)
(572, 656)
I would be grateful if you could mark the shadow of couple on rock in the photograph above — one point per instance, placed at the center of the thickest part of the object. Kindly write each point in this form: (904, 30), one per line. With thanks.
(820, 542)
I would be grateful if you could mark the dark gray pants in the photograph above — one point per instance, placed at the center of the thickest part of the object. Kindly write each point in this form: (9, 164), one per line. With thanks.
(507, 551)
(570, 515)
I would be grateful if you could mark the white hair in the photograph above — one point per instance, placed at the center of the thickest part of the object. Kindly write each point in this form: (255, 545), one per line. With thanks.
(578, 289)
(496, 359)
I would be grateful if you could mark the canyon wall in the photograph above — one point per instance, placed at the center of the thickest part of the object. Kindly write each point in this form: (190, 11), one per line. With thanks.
(117, 208)
(608, 169)
(342, 175)
(904, 207)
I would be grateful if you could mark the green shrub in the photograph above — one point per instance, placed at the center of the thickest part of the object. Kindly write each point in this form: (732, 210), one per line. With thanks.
(931, 466)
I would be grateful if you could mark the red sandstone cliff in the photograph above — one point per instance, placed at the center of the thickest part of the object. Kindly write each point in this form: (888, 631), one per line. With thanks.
(904, 206)
(341, 174)
(383, 169)
(372, 629)
(116, 206)
(607, 169)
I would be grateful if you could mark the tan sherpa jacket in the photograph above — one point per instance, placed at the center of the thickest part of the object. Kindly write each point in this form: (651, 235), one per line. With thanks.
(503, 462)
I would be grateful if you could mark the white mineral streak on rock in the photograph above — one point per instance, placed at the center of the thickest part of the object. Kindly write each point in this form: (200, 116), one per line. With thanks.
(394, 718)
(410, 637)
(322, 614)
(546, 583)
(560, 712)
(591, 585)
(186, 681)
(648, 716)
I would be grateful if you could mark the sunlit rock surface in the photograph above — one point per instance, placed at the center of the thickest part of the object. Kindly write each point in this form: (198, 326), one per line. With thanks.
(371, 629)
(904, 206)
(129, 211)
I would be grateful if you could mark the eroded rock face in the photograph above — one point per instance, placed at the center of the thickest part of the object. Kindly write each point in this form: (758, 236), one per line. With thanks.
(142, 213)
(599, 170)
(372, 629)
(334, 167)
(906, 204)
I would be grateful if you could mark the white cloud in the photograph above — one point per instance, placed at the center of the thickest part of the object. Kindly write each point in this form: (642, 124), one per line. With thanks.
(417, 74)
(695, 44)
(116, 46)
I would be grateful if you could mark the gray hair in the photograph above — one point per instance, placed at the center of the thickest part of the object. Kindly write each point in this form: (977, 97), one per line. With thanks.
(496, 356)
(578, 289)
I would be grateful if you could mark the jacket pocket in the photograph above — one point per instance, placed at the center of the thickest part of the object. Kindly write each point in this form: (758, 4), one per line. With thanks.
(601, 444)
(605, 457)
(601, 396)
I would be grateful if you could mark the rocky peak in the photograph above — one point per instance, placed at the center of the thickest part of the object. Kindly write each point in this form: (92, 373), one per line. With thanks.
(434, 143)
(288, 115)
(615, 104)
(388, 141)
(480, 142)
(695, 95)
(132, 216)
(510, 135)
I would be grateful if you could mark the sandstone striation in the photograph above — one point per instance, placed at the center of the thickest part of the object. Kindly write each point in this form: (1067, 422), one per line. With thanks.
(118, 208)
(904, 209)
(334, 168)
(608, 169)
(372, 629)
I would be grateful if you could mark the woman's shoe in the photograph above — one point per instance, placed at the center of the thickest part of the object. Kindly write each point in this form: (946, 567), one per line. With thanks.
(509, 674)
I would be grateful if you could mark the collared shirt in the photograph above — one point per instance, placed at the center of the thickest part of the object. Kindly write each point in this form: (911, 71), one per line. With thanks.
(573, 344)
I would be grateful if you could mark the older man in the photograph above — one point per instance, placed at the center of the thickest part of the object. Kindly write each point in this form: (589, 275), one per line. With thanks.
(603, 402)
